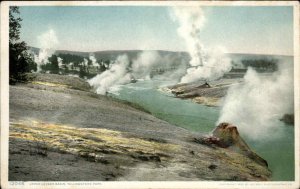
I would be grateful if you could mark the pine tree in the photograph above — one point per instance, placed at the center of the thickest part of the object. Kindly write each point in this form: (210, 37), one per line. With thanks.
(20, 60)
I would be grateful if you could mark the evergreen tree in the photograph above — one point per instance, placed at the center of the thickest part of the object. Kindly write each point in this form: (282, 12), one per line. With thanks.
(20, 61)
(54, 64)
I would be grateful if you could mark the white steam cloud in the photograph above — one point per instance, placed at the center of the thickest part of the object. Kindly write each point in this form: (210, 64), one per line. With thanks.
(117, 74)
(191, 20)
(94, 60)
(85, 62)
(60, 62)
(121, 72)
(213, 67)
(144, 64)
(47, 42)
(206, 64)
(257, 104)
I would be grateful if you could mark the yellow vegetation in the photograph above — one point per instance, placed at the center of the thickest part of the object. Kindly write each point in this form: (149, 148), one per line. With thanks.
(85, 140)
(50, 84)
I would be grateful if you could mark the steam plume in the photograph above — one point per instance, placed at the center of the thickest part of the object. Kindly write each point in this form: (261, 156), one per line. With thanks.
(257, 104)
(191, 20)
(205, 64)
(47, 43)
(94, 60)
(212, 68)
(145, 62)
(60, 62)
(85, 62)
(117, 74)
(121, 72)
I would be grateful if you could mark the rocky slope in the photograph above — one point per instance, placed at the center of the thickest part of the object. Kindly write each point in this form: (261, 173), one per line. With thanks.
(61, 130)
(226, 135)
(206, 93)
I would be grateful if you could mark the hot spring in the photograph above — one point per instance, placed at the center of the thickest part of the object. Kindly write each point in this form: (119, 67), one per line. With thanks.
(279, 152)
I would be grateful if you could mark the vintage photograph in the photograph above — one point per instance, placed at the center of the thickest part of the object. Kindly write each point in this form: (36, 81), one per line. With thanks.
(150, 92)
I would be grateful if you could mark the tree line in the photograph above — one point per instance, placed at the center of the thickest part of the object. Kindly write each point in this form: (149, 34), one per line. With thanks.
(74, 64)
(262, 65)
(22, 62)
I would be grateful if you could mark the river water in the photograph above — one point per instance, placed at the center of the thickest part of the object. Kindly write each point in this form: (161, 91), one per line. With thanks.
(279, 152)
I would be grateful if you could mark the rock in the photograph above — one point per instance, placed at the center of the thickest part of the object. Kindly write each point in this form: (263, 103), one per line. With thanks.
(288, 119)
(226, 135)
(202, 92)
(212, 167)
(93, 136)
(205, 85)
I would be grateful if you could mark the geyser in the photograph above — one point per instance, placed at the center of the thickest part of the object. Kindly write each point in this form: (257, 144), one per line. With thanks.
(122, 72)
(94, 60)
(257, 104)
(144, 63)
(47, 42)
(206, 64)
(116, 74)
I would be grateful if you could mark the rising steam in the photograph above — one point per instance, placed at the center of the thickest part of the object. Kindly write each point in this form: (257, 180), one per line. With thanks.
(191, 20)
(213, 67)
(60, 62)
(47, 42)
(94, 60)
(205, 64)
(257, 104)
(117, 74)
(141, 67)
(145, 62)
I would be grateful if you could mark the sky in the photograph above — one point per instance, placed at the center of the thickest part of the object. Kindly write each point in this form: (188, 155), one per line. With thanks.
(259, 30)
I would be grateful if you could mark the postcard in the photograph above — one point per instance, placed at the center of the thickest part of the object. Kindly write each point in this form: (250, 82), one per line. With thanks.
(149, 94)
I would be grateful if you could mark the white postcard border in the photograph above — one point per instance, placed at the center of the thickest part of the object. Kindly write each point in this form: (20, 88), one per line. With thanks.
(121, 184)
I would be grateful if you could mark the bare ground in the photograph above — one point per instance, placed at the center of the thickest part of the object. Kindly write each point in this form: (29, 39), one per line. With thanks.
(60, 130)
(201, 93)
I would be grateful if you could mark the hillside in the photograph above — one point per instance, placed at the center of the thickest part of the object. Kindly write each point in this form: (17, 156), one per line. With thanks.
(60, 130)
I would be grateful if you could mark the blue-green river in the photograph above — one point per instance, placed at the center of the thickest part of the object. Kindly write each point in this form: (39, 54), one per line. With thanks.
(279, 152)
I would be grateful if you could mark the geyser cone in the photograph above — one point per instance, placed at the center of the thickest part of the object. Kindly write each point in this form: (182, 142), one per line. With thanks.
(226, 135)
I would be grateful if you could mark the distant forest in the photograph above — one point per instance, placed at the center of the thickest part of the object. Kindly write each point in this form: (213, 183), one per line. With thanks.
(83, 67)
(74, 64)
(78, 63)
(262, 65)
